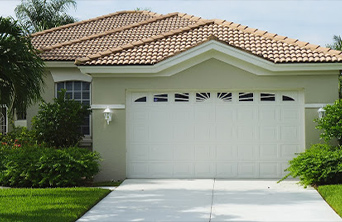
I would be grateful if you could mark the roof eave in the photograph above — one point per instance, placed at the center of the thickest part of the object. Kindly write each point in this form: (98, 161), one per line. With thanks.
(217, 50)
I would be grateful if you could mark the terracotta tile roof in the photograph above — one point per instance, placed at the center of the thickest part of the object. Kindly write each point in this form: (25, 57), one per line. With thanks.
(144, 38)
(93, 44)
(89, 27)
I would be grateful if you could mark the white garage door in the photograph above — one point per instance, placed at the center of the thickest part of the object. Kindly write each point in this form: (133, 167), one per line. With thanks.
(213, 134)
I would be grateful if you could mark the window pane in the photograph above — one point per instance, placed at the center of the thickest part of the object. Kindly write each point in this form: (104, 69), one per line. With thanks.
(68, 95)
(85, 95)
(160, 98)
(85, 86)
(69, 86)
(77, 95)
(85, 130)
(77, 85)
(86, 102)
(60, 86)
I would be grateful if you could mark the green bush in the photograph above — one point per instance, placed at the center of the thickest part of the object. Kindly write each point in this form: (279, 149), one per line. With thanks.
(331, 122)
(58, 124)
(17, 137)
(40, 166)
(319, 165)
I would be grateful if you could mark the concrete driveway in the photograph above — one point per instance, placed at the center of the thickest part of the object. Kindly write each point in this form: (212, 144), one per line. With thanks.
(211, 200)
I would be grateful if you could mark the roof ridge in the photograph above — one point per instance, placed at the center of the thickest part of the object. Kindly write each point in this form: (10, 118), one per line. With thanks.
(85, 38)
(284, 39)
(93, 19)
(201, 22)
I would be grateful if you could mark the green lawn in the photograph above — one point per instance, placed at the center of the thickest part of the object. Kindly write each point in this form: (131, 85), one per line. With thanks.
(333, 196)
(50, 204)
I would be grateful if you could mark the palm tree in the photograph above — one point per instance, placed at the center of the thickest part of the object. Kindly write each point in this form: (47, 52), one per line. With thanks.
(21, 69)
(38, 15)
(337, 45)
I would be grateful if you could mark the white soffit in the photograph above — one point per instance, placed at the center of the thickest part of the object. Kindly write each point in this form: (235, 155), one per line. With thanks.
(69, 74)
(217, 50)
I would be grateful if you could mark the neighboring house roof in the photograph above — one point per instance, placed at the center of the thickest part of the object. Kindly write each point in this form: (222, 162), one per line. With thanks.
(145, 38)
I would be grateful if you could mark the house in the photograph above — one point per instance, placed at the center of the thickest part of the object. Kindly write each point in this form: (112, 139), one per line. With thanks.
(189, 97)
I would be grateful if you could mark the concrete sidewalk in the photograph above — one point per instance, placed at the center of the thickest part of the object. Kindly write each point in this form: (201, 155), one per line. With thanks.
(211, 200)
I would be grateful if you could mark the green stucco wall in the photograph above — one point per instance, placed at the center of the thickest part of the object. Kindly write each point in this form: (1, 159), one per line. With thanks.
(212, 74)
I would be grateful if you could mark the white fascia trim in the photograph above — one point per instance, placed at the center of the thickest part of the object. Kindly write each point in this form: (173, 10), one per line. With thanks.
(218, 50)
(110, 106)
(58, 64)
(316, 105)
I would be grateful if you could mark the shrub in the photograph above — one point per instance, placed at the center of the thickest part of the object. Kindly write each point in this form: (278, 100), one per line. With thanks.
(40, 166)
(58, 124)
(331, 123)
(319, 165)
(18, 136)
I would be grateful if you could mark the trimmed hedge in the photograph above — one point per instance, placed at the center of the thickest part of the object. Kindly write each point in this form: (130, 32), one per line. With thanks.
(319, 165)
(40, 166)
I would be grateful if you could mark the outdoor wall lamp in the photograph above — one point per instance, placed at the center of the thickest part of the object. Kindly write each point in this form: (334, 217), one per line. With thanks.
(321, 112)
(108, 115)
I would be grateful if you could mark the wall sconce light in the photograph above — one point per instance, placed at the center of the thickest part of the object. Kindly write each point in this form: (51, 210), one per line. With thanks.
(108, 115)
(321, 112)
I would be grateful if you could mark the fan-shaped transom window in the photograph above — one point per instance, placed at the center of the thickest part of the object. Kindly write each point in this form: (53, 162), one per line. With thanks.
(245, 96)
(267, 97)
(225, 96)
(202, 96)
(141, 99)
(160, 98)
(181, 97)
(287, 98)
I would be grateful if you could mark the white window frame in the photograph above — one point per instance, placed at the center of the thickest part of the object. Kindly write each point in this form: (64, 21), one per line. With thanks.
(6, 124)
(86, 136)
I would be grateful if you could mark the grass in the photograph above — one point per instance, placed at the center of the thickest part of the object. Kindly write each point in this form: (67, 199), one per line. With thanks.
(333, 196)
(50, 204)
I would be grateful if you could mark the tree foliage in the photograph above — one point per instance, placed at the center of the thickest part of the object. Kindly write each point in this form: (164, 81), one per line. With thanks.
(337, 44)
(21, 69)
(38, 15)
(331, 122)
(58, 124)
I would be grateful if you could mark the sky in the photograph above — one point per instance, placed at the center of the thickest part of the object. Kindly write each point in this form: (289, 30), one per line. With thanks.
(314, 21)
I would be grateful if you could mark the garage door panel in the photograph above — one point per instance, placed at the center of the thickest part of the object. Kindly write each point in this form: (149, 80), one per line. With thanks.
(224, 132)
(161, 152)
(226, 169)
(268, 170)
(204, 169)
(137, 170)
(204, 113)
(269, 114)
(204, 152)
(289, 133)
(183, 170)
(289, 150)
(204, 132)
(138, 152)
(160, 169)
(247, 170)
(269, 133)
(183, 132)
(246, 132)
(246, 151)
(268, 152)
(139, 133)
(184, 152)
(225, 114)
(246, 114)
(208, 134)
(226, 152)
